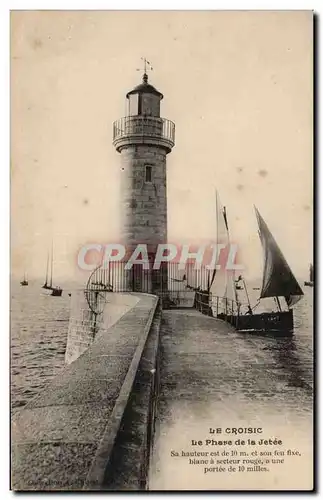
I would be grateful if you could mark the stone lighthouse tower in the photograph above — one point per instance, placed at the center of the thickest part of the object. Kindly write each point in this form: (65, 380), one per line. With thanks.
(143, 140)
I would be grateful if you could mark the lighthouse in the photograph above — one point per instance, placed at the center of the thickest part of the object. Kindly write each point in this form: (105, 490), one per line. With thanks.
(143, 138)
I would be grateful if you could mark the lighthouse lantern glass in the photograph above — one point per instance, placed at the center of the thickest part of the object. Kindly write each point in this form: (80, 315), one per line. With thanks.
(134, 105)
(150, 105)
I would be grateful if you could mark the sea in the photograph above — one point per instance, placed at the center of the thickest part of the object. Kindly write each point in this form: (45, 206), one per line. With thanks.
(38, 337)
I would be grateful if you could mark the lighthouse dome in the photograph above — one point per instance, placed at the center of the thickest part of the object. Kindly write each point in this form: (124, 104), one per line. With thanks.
(145, 88)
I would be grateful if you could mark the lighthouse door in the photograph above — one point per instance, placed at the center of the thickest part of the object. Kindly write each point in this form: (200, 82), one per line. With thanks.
(142, 280)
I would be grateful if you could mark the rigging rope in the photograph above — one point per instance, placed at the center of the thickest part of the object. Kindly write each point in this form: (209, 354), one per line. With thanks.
(256, 305)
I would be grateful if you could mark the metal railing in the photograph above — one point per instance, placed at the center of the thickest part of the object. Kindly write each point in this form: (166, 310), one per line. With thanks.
(149, 126)
(227, 309)
(115, 277)
(175, 286)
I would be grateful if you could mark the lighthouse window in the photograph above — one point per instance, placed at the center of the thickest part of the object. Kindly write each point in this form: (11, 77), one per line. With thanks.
(148, 172)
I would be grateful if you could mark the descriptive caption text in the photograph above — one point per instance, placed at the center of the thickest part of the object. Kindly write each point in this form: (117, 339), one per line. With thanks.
(235, 454)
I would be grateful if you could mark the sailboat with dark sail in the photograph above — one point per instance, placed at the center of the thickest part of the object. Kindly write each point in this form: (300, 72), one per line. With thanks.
(311, 280)
(24, 281)
(221, 298)
(278, 283)
(56, 291)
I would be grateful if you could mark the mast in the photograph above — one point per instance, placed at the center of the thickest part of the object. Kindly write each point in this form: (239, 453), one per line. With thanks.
(247, 295)
(233, 273)
(51, 268)
(46, 279)
(224, 217)
(222, 234)
(217, 241)
(278, 303)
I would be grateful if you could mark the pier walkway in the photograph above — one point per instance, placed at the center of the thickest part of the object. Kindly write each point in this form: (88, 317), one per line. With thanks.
(213, 376)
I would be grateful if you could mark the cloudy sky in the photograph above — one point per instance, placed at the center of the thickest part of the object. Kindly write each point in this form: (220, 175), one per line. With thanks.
(238, 86)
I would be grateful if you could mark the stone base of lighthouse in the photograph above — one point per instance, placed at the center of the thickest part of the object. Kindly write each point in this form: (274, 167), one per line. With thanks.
(143, 195)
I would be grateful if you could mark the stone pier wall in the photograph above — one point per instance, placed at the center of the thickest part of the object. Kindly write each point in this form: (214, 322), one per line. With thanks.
(128, 468)
(72, 435)
(83, 326)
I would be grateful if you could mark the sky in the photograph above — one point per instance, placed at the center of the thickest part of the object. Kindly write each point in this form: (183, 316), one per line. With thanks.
(238, 86)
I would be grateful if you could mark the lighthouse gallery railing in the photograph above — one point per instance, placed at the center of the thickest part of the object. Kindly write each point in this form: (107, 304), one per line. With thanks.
(144, 126)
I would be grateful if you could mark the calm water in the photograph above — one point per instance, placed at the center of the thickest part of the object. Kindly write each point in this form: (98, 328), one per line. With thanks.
(39, 326)
(297, 351)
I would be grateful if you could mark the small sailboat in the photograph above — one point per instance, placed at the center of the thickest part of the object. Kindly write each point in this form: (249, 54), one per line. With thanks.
(278, 283)
(46, 285)
(311, 280)
(24, 281)
(56, 291)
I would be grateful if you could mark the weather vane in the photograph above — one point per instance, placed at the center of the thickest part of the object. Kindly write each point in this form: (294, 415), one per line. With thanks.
(147, 67)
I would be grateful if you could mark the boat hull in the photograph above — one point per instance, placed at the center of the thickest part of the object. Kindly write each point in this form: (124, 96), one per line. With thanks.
(53, 292)
(309, 283)
(275, 323)
(280, 324)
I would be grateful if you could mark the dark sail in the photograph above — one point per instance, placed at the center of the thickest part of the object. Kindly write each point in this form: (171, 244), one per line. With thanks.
(278, 279)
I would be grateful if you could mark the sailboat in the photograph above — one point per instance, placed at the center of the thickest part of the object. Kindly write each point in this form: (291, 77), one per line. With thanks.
(311, 281)
(56, 291)
(278, 283)
(24, 281)
(46, 285)
(222, 284)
